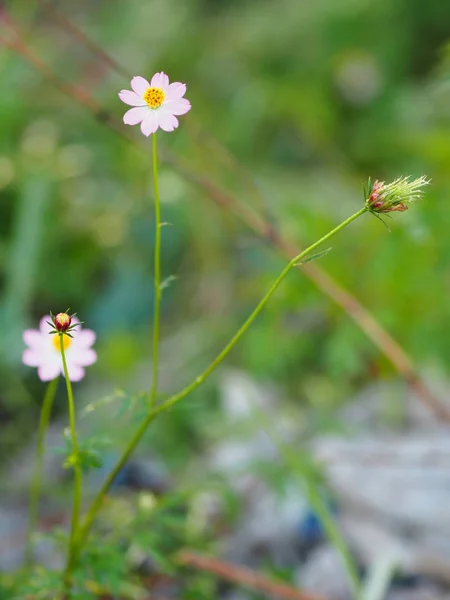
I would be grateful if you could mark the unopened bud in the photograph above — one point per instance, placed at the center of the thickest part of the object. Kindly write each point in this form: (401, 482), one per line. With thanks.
(62, 322)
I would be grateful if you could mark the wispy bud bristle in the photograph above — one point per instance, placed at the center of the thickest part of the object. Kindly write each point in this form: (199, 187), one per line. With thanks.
(384, 197)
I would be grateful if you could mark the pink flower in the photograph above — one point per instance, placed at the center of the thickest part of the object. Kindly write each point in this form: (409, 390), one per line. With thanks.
(157, 104)
(44, 351)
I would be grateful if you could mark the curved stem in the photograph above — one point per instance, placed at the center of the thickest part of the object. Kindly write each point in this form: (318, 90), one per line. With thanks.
(76, 509)
(157, 279)
(36, 484)
(296, 261)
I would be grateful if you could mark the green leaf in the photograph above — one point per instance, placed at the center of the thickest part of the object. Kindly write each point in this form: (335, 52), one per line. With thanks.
(167, 282)
(118, 394)
(312, 257)
(163, 563)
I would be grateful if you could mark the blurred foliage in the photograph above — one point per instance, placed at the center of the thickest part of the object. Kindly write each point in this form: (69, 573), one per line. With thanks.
(294, 105)
(309, 108)
(137, 545)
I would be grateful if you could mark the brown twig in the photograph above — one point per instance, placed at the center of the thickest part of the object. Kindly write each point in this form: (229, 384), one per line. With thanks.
(244, 577)
(81, 37)
(260, 225)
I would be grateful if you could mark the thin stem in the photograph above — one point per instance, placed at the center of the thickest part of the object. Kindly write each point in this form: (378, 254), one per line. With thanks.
(307, 475)
(98, 500)
(76, 508)
(157, 279)
(36, 484)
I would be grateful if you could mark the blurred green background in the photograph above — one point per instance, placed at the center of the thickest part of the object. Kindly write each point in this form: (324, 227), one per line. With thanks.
(295, 103)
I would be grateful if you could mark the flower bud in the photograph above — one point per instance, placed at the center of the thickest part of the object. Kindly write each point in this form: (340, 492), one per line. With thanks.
(384, 197)
(62, 322)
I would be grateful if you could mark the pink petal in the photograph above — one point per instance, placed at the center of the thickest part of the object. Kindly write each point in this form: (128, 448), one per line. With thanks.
(135, 115)
(44, 326)
(151, 123)
(76, 373)
(83, 357)
(49, 371)
(160, 80)
(85, 338)
(131, 98)
(167, 121)
(139, 85)
(175, 91)
(32, 338)
(32, 358)
(178, 107)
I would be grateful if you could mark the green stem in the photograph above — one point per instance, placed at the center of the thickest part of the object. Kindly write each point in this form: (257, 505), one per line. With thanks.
(237, 336)
(308, 475)
(157, 279)
(98, 500)
(76, 508)
(36, 484)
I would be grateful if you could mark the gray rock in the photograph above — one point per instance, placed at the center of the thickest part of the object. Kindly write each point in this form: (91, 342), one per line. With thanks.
(324, 575)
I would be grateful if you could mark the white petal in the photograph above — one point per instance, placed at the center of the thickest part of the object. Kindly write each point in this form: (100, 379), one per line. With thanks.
(85, 338)
(175, 90)
(131, 98)
(44, 326)
(135, 115)
(151, 122)
(160, 80)
(31, 358)
(83, 357)
(49, 371)
(33, 338)
(76, 373)
(178, 107)
(168, 121)
(139, 85)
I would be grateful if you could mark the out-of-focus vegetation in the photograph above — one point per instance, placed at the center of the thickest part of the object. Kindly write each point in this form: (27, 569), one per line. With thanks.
(310, 98)
(294, 105)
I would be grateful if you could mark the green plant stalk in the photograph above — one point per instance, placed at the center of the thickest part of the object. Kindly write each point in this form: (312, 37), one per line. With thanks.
(78, 482)
(36, 484)
(157, 279)
(334, 535)
(98, 500)
(299, 466)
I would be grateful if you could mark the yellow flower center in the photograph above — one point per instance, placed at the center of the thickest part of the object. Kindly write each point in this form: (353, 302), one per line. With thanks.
(154, 97)
(66, 342)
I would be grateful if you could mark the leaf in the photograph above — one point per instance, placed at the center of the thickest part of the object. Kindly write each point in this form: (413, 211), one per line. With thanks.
(375, 214)
(167, 282)
(312, 257)
(105, 401)
(89, 453)
(163, 563)
(89, 459)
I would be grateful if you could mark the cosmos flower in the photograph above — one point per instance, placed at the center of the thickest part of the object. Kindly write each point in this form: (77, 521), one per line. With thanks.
(157, 104)
(44, 352)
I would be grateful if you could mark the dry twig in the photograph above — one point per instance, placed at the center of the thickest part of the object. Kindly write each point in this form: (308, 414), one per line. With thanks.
(244, 577)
